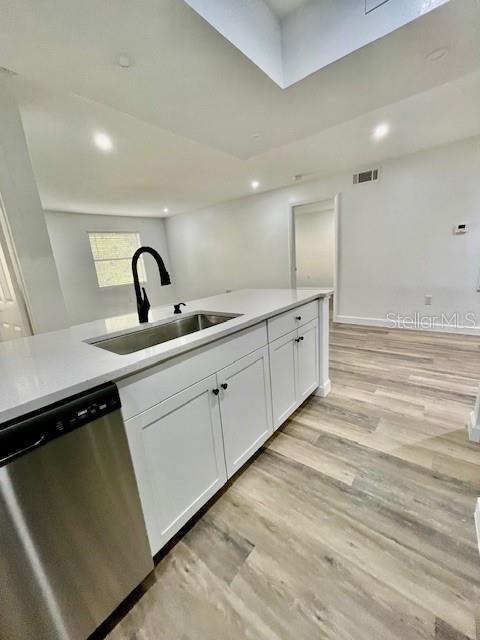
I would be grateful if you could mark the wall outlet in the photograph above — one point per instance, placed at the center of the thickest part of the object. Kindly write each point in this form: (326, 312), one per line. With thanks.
(428, 299)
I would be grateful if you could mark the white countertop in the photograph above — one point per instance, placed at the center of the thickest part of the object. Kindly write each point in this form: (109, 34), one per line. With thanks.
(42, 369)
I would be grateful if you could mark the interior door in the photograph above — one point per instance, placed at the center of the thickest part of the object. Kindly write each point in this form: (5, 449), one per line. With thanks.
(283, 365)
(11, 317)
(177, 449)
(307, 360)
(245, 407)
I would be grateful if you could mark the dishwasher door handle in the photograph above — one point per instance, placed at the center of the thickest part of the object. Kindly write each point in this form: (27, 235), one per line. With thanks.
(20, 452)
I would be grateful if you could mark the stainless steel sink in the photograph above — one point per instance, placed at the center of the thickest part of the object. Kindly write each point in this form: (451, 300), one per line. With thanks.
(144, 338)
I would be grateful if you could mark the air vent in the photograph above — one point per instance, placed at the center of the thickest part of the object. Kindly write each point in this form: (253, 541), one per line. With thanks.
(365, 176)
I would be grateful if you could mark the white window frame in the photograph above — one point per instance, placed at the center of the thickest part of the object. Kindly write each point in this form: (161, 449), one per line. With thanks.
(142, 273)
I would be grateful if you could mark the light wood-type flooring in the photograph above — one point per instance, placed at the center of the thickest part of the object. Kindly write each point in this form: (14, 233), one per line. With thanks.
(354, 522)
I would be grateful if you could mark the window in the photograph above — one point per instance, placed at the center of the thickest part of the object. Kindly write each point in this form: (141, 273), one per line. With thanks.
(112, 254)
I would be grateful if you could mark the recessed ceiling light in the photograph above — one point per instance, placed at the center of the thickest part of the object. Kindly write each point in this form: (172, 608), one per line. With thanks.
(103, 141)
(255, 135)
(166, 210)
(255, 184)
(381, 131)
(438, 54)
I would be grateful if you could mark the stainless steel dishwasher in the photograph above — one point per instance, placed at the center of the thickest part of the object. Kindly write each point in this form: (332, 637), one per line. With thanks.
(73, 542)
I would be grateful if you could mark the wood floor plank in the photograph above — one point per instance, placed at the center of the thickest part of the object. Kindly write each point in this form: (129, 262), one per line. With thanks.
(305, 509)
(307, 454)
(444, 631)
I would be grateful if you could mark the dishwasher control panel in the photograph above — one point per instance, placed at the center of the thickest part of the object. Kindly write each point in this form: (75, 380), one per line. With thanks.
(79, 415)
(33, 430)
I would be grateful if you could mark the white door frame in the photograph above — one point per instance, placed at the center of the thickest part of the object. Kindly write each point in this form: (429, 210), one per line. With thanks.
(336, 216)
(8, 251)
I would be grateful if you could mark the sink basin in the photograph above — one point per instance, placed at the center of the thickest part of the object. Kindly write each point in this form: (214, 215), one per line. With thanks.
(144, 338)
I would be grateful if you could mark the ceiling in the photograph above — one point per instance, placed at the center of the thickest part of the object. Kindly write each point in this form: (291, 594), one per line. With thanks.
(283, 8)
(312, 37)
(194, 121)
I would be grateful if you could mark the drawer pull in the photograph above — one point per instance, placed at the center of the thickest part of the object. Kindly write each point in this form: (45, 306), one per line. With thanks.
(298, 339)
(215, 392)
(298, 317)
(224, 385)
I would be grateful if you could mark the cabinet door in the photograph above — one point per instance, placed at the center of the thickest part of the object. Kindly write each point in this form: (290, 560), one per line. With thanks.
(177, 450)
(283, 366)
(245, 406)
(307, 360)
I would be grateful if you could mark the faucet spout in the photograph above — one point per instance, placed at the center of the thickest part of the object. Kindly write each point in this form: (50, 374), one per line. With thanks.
(143, 303)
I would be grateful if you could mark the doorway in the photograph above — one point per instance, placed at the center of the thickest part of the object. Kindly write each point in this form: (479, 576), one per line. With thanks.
(14, 321)
(314, 246)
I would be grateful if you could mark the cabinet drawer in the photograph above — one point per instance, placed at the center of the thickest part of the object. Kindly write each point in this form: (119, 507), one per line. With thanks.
(143, 390)
(291, 320)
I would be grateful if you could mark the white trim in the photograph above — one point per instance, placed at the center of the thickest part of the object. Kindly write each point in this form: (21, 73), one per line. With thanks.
(323, 390)
(476, 517)
(336, 214)
(291, 239)
(291, 234)
(324, 347)
(7, 246)
(383, 322)
(375, 322)
(473, 428)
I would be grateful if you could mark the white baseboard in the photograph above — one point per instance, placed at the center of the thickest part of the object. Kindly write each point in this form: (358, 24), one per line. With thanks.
(477, 522)
(323, 390)
(473, 428)
(387, 324)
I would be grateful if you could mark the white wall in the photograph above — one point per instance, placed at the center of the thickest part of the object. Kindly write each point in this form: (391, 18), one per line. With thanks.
(83, 297)
(395, 238)
(251, 27)
(315, 247)
(24, 215)
(242, 243)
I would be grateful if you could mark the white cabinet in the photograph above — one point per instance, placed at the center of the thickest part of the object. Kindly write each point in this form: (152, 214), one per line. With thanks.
(294, 360)
(291, 320)
(178, 455)
(245, 407)
(282, 371)
(195, 420)
(142, 390)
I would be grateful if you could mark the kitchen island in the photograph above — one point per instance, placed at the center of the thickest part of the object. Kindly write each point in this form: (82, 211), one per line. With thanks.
(42, 369)
(195, 407)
